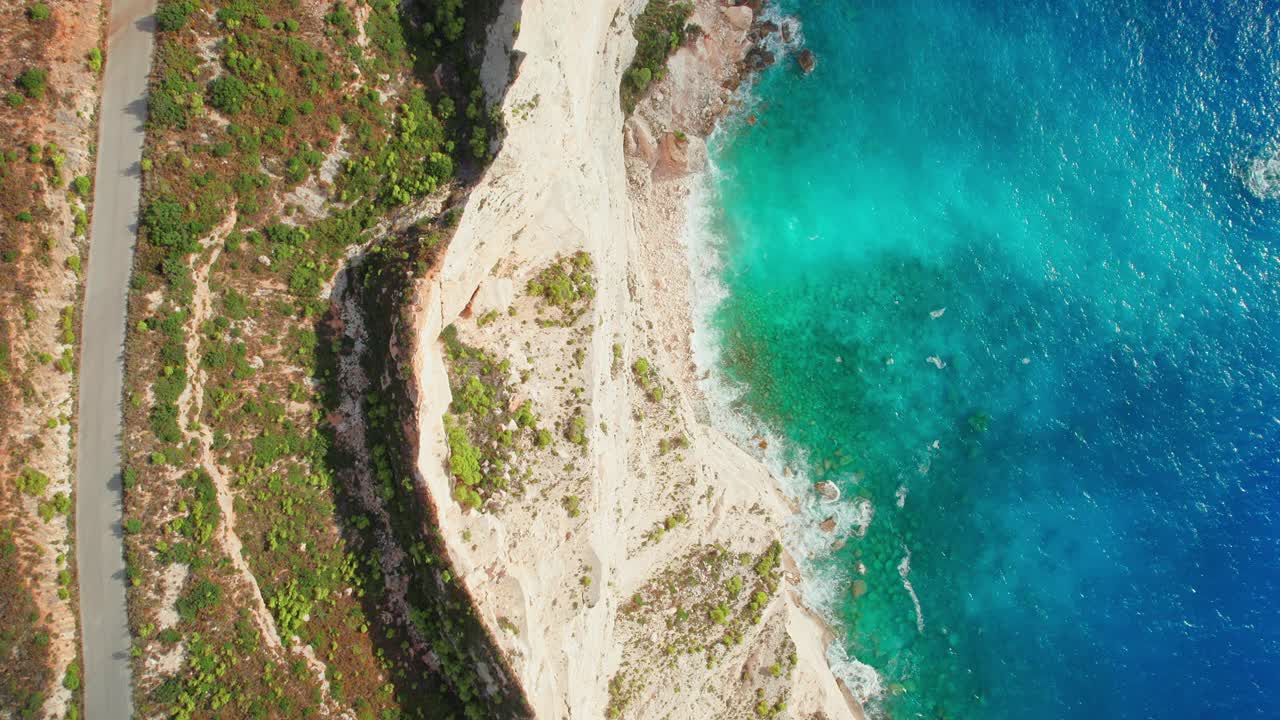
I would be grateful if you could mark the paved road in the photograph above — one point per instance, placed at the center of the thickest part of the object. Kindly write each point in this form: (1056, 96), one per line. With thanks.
(99, 537)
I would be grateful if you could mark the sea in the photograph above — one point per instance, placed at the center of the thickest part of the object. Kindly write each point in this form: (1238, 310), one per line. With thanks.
(1007, 275)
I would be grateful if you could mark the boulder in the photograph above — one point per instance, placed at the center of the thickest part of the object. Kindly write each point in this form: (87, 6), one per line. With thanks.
(758, 59)
(808, 61)
(739, 16)
(827, 490)
(640, 140)
(673, 156)
(828, 525)
(763, 30)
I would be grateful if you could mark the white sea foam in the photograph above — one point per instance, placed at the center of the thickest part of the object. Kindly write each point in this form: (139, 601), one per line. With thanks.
(904, 569)
(1262, 176)
(861, 679)
(824, 585)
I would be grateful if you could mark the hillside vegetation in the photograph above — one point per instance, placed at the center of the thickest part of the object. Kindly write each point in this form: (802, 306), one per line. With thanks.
(299, 168)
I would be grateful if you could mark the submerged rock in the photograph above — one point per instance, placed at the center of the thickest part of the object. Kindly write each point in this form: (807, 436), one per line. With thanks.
(828, 525)
(859, 588)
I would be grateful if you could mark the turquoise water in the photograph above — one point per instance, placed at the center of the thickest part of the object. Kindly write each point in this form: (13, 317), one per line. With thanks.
(1088, 483)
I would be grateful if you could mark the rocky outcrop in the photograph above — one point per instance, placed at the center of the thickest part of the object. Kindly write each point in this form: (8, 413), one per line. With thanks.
(807, 60)
(788, 31)
(739, 16)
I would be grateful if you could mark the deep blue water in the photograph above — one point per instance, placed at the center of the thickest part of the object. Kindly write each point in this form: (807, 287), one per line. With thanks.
(1097, 531)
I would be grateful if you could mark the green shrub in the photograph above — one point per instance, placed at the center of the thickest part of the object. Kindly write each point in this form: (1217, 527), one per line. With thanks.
(467, 496)
(228, 93)
(81, 185)
(342, 19)
(290, 606)
(477, 398)
(95, 60)
(164, 220)
(203, 596)
(14, 100)
(464, 458)
(39, 12)
(71, 680)
(524, 416)
(577, 429)
(33, 82)
(171, 15)
(32, 482)
(566, 284)
(719, 614)
(734, 585)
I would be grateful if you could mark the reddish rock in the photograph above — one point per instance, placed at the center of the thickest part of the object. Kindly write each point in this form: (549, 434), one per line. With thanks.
(673, 156)
(828, 525)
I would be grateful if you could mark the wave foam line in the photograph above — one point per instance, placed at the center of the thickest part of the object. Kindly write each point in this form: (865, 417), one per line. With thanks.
(823, 584)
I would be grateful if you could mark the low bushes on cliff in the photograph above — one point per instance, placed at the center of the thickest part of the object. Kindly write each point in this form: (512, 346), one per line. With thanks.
(659, 30)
